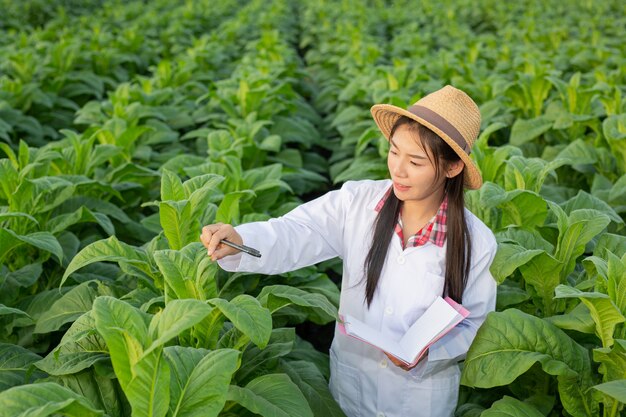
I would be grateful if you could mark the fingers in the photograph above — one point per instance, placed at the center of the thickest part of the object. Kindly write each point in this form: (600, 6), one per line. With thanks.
(213, 234)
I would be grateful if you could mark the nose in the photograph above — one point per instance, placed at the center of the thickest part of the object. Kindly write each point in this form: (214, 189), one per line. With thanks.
(397, 168)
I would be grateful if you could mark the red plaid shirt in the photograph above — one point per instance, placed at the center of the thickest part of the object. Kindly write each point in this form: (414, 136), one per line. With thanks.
(434, 230)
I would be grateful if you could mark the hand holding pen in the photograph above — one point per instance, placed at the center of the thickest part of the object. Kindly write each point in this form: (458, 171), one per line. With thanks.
(223, 240)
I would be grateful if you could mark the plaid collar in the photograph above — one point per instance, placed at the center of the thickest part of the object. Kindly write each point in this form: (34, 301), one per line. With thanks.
(434, 230)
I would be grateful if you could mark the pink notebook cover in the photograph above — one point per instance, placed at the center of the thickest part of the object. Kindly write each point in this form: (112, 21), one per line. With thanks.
(458, 307)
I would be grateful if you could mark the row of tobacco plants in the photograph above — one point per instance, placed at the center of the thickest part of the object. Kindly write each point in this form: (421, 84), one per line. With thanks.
(127, 127)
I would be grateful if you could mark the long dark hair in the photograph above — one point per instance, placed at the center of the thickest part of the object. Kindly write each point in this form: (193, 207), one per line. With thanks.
(459, 244)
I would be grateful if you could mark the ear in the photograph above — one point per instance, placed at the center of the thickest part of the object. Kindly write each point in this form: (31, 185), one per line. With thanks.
(454, 168)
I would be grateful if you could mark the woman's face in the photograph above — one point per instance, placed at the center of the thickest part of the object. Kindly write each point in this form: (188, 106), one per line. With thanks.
(413, 174)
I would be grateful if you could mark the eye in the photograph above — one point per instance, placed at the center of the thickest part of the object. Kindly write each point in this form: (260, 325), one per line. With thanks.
(415, 164)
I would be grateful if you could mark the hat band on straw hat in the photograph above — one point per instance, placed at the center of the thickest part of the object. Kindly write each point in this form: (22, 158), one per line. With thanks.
(445, 126)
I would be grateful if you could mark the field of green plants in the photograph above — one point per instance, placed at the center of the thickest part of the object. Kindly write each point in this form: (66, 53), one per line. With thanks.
(126, 126)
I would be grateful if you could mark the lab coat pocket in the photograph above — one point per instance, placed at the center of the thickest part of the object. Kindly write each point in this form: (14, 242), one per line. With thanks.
(345, 385)
(432, 395)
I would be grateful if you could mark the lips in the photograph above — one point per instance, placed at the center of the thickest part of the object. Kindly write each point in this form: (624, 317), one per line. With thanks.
(400, 187)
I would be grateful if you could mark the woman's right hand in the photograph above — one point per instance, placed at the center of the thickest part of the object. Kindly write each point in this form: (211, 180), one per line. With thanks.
(211, 236)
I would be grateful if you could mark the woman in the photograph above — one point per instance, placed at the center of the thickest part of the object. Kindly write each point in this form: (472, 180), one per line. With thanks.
(403, 242)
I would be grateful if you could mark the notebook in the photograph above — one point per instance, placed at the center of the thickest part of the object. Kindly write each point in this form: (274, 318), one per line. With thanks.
(441, 317)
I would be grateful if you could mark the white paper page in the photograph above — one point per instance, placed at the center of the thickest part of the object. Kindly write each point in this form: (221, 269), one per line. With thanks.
(361, 330)
(434, 320)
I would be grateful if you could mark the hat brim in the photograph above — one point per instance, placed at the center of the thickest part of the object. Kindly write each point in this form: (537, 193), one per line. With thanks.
(386, 115)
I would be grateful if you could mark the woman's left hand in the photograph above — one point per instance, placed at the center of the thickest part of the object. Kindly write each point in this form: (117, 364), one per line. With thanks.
(403, 365)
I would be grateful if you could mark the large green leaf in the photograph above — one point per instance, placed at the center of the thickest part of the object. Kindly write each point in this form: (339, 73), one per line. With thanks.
(614, 389)
(604, 313)
(69, 307)
(249, 316)
(228, 210)
(45, 241)
(272, 395)
(187, 273)
(149, 390)
(81, 215)
(543, 273)
(200, 380)
(45, 399)
(578, 319)
(526, 130)
(15, 362)
(101, 390)
(109, 250)
(125, 331)
(575, 232)
(80, 348)
(178, 316)
(508, 258)
(612, 361)
(510, 407)
(314, 387)
(512, 341)
(175, 217)
(171, 187)
(318, 308)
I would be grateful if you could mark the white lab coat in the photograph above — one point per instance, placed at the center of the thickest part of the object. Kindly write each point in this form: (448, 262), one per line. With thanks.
(340, 223)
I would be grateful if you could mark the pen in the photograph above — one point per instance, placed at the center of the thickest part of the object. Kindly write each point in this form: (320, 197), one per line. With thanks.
(243, 248)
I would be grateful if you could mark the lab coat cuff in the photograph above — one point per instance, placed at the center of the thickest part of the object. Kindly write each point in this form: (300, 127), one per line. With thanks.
(230, 263)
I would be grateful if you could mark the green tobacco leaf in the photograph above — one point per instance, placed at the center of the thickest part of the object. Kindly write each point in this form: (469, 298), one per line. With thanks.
(125, 331)
(14, 364)
(509, 295)
(258, 361)
(585, 200)
(82, 215)
(171, 187)
(508, 258)
(524, 209)
(612, 243)
(45, 399)
(318, 308)
(272, 395)
(80, 348)
(604, 313)
(614, 129)
(616, 285)
(578, 319)
(249, 316)
(187, 273)
(178, 316)
(543, 273)
(575, 232)
(314, 387)
(175, 217)
(228, 210)
(68, 308)
(612, 361)
(614, 389)
(200, 380)
(208, 181)
(510, 407)
(148, 392)
(512, 341)
(109, 250)
(45, 241)
(526, 130)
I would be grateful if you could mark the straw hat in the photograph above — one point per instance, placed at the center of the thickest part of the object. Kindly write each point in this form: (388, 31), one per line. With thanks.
(448, 112)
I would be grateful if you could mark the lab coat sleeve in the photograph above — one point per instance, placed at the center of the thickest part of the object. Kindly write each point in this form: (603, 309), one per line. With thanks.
(311, 233)
(479, 298)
